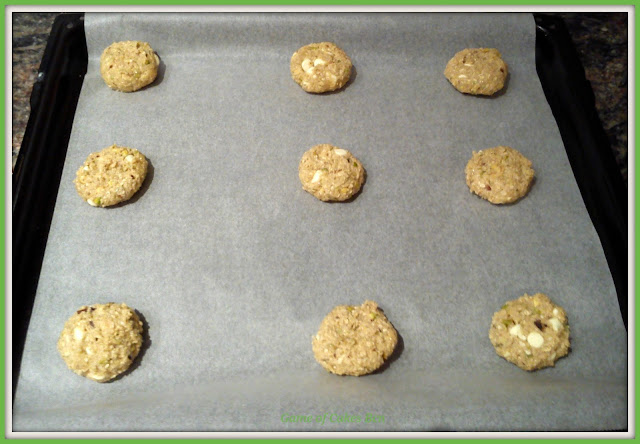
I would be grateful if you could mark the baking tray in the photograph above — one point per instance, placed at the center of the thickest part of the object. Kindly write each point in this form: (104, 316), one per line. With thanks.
(55, 95)
(36, 176)
(573, 105)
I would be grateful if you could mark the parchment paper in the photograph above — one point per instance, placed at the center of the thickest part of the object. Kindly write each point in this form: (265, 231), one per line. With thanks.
(233, 265)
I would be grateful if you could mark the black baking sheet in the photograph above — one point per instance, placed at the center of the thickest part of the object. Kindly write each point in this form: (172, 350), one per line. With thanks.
(36, 176)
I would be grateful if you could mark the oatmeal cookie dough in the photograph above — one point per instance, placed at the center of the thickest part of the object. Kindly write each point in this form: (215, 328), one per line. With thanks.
(500, 175)
(330, 173)
(111, 176)
(129, 66)
(101, 341)
(478, 71)
(354, 340)
(320, 67)
(531, 332)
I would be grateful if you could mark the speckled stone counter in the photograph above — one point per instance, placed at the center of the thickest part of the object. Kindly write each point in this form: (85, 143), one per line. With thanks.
(600, 38)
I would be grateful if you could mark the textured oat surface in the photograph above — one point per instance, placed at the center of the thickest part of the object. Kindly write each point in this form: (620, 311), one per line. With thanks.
(111, 176)
(330, 173)
(479, 71)
(320, 67)
(101, 341)
(531, 332)
(129, 66)
(500, 175)
(354, 340)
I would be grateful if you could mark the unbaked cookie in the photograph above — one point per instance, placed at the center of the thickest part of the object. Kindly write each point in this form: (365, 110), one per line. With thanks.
(330, 173)
(101, 341)
(354, 340)
(500, 175)
(320, 67)
(531, 332)
(479, 71)
(129, 66)
(111, 176)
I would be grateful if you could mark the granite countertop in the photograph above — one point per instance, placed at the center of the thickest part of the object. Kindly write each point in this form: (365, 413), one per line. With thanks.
(600, 38)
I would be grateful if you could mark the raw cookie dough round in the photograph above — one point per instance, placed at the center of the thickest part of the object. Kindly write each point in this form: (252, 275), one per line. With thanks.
(111, 176)
(330, 173)
(479, 71)
(354, 340)
(531, 332)
(500, 175)
(320, 67)
(129, 66)
(101, 341)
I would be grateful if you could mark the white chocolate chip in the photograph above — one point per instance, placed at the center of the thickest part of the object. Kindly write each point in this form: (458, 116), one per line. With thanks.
(86, 168)
(316, 177)
(340, 152)
(129, 158)
(92, 202)
(555, 312)
(78, 334)
(317, 62)
(556, 324)
(462, 76)
(535, 339)
(89, 351)
(516, 330)
(307, 66)
(96, 377)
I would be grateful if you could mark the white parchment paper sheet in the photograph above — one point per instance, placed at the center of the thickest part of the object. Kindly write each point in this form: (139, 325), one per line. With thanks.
(233, 265)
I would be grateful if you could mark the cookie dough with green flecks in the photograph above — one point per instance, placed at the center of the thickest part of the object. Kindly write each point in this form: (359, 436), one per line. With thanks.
(129, 66)
(320, 67)
(478, 71)
(111, 176)
(101, 341)
(330, 173)
(500, 175)
(531, 332)
(354, 340)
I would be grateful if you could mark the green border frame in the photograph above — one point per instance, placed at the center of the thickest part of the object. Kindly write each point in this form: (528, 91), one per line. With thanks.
(278, 3)
(3, 195)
